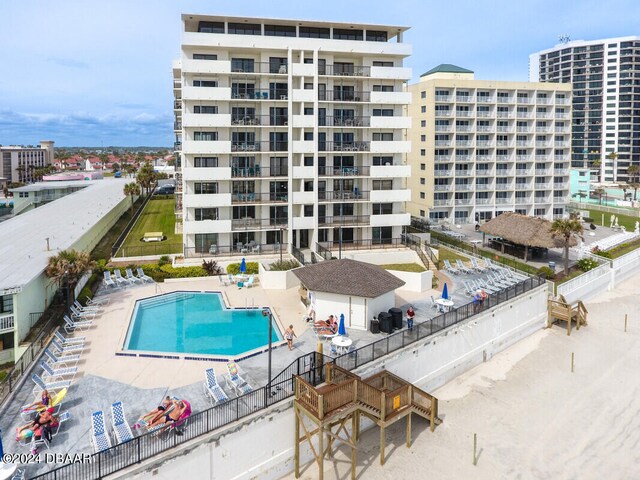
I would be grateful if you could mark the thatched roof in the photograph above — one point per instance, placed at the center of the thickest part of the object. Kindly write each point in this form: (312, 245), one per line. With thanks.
(524, 230)
(348, 277)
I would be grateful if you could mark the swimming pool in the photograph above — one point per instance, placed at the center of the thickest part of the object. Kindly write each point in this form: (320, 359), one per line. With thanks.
(196, 323)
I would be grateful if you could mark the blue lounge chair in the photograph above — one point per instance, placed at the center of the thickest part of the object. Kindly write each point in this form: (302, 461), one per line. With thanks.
(50, 386)
(108, 281)
(99, 439)
(58, 372)
(121, 429)
(142, 276)
(235, 381)
(71, 325)
(212, 388)
(67, 341)
(64, 350)
(63, 359)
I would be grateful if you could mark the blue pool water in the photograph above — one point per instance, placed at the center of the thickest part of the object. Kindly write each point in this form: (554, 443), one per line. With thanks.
(196, 323)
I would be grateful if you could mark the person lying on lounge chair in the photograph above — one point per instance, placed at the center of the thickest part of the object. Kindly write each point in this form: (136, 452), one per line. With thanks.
(171, 417)
(327, 328)
(150, 417)
(43, 403)
(39, 420)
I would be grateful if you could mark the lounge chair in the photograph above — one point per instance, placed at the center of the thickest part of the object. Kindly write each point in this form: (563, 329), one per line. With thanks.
(235, 381)
(98, 301)
(55, 359)
(66, 349)
(67, 341)
(71, 325)
(27, 411)
(108, 281)
(469, 289)
(120, 279)
(463, 267)
(58, 372)
(476, 266)
(88, 308)
(133, 279)
(324, 332)
(121, 429)
(55, 428)
(433, 303)
(449, 268)
(174, 427)
(143, 276)
(224, 280)
(249, 283)
(490, 265)
(99, 439)
(212, 388)
(50, 386)
(81, 314)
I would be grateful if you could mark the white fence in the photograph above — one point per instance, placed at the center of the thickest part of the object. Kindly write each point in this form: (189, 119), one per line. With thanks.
(604, 277)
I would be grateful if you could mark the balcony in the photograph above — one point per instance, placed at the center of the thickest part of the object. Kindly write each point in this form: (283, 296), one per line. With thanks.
(461, 187)
(254, 94)
(260, 120)
(521, 200)
(463, 201)
(542, 199)
(464, 173)
(504, 186)
(483, 201)
(443, 188)
(395, 146)
(546, 144)
(484, 143)
(561, 144)
(524, 172)
(444, 98)
(258, 223)
(505, 99)
(256, 198)
(561, 171)
(444, 143)
(504, 158)
(464, 128)
(543, 100)
(337, 171)
(484, 187)
(562, 101)
(544, 115)
(7, 323)
(447, 202)
(542, 171)
(562, 116)
(331, 121)
(177, 105)
(443, 113)
(464, 113)
(344, 146)
(443, 158)
(504, 143)
(504, 114)
(342, 195)
(543, 129)
(303, 95)
(344, 70)
(443, 173)
(257, 171)
(465, 98)
(444, 128)
(483, 158)
(542, 186)
(344, 220)
(463, 158)
(524, 130)
(485, 99)
(464, 143)
(523, 143)
(483, 128)
(524, 115)
(504, 172)
(273, 68)
(503, 201)
(524, 100)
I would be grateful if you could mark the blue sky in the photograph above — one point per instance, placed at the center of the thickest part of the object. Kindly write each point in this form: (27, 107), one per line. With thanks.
(89, 72)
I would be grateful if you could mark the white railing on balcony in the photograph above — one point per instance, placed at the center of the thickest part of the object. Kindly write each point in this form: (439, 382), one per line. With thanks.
(443, 143)
(484, 99)
(463, 128)
(484, 143)
(444, 98)
(483, 158)
(523, 200)
(464, 113)
(504, 186)
(442, 188)
(463, 186)
(6, 323)
(483, 128)
(443, 173)
(523, 171)
(483, 113)
(464, 143)
(463, 201)
(465, 99)
(443, 113)
(504, 129)
(443, 202)
(443, 158)
(444, 128)
(502, 201)
(524, 130)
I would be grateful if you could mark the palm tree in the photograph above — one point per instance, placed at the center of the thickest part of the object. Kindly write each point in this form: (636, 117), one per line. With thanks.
(633, 172)
(70, 265)
(132, 189)
(146, 177)
(599, 192)
(596, 166)
(565, 231)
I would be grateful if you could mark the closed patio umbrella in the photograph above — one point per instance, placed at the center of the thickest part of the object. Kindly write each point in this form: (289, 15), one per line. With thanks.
(341, 329)
(445, 291)
(243, 266)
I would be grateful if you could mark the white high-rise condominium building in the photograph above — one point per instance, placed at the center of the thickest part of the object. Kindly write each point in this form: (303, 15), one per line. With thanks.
(290, 132)
(483, 147)
(605, 75)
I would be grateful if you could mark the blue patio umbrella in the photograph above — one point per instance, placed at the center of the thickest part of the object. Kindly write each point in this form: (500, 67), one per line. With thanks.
(1, 449)
(341, 329)
(243, 266)
(445, 291)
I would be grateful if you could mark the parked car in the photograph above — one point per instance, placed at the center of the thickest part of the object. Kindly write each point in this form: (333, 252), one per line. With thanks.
(165, 190)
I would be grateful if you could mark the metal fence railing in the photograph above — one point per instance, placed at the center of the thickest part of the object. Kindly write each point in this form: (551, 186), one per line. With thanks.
(120, 240)
(297, 253)
(308, 366)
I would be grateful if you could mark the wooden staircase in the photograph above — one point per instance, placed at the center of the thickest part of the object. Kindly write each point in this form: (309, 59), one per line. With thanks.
(560, 309)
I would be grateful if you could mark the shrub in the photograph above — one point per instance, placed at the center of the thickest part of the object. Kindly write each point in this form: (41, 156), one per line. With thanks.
(234, 268)
(183, 272)
(587, 264)
(3, 375)
(284, 265)
(587, 219)
(545, 272)
(89, 289)
(164, 259)
(211, 267)
(101, 266)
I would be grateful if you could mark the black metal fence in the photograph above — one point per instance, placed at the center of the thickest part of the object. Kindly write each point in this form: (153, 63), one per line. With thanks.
(127, 229)
(309, 366)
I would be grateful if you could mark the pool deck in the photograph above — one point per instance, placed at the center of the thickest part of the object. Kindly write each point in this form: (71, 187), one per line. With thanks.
(140, 383)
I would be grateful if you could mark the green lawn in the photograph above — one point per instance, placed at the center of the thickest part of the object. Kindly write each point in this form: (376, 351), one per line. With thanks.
(623, 220)
(445, 254)
(158, 216)
(404, 267)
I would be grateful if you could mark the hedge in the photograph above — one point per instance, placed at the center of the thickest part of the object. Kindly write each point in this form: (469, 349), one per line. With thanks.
(234, 268)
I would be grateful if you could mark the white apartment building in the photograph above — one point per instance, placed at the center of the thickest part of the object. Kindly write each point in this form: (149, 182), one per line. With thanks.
(17, 163)
(605, 75)
(483, 147)
(291, 132)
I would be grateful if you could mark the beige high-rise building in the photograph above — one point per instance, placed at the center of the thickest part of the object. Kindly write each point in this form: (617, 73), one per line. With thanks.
(483, 147)
(17, 163)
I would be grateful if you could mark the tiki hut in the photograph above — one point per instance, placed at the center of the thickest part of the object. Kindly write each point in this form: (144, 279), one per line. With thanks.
(530, 232)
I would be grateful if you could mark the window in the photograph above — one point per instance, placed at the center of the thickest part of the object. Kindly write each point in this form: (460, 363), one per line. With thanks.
(422, 196)
(382, 208)
(211, 27)
(279, 31)
(423, 152)
(205, 136)
(344, 34)
(205, 162)
(422, 213)
(307, 210)
(313, 32)
(308, 161)
(308, 186)
(423, 94)
(383, 88)
(6, 303)
(205, 83)
(383, 112)
(205, 109)
(206, 214)
(308, 136)
(308, 110)
(382, 137)
(378, 161)
(242, 65)
(423, 109)
(423, 138)
(423, 166)
(244, 29)
(203, 188)
(308, 86)
(376, 36)
(423, 181)
(382, 185)
(205, 56)
(378, 63)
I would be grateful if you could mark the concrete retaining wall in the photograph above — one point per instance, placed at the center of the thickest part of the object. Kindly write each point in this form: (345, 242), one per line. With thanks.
(414, 281)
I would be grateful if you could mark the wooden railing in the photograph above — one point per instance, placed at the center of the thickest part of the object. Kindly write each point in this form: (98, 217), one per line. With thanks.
(369, 396)
(307, 395)
(335, 375)
(338, 396)
(426, 402)
(397, 399)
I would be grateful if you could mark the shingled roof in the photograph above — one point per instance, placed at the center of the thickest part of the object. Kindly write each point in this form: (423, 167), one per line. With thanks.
(348, 277)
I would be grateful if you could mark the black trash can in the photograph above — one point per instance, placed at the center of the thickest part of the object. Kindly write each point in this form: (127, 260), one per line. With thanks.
(386, 322)
(374, 326)
(396, 314)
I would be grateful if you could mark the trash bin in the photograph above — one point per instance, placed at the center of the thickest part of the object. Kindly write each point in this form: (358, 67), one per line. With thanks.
(396, 315)
(375, 326)
(552, 266)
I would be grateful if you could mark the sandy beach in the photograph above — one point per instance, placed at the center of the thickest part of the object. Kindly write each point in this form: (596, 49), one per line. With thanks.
(533, 417)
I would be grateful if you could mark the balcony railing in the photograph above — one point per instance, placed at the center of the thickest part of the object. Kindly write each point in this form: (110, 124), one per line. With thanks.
(463, 158)
(337, 171)
(521, 200)
(259, 198)
(443, 158)
(344, 146)
(483, 128)
(504, 186)
(344, 121)
(233, 250)
(504, 171)
(342, 96)
(324, 220)
(464, 113)
(444, 98)
(464, 173)
(258, 223)
(256, 171)
(443, 173)
(503, 201)
(6, 323)
(505, 100)
(523, 171)
(485, 99)
(443, 113)
(444, 128)
(502, 129)
(253, 94)
(484, 187)
(259, 67)
(340, 195)
(463, 186)
(444, 143)
(524, 130)
(259, 146)
(345, 70)
(443, 202)
(465, 98)
(177, 105)
(464, 143)
(272, 120)
(483, 158)
(443, 188)
(463, 201)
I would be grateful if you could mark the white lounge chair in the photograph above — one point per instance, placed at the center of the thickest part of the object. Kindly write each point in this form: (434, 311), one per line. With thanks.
(71, 325)
(121, 429)
(66, 349)
(469, 288)
(142, 276)
(101, 301)
(133, 279)
(88, 308)
(433, 303)
(67, 341)
(224, 280)
(108, 281)
(56, 359)
(212, 388)
(491, 265)
(120, 279)
(99, 439)
(476, 265)
(462, 267)
(449, 268)
(82, 315)
(235, 381)
(58, 372)
(53, 386)
(249, 283)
